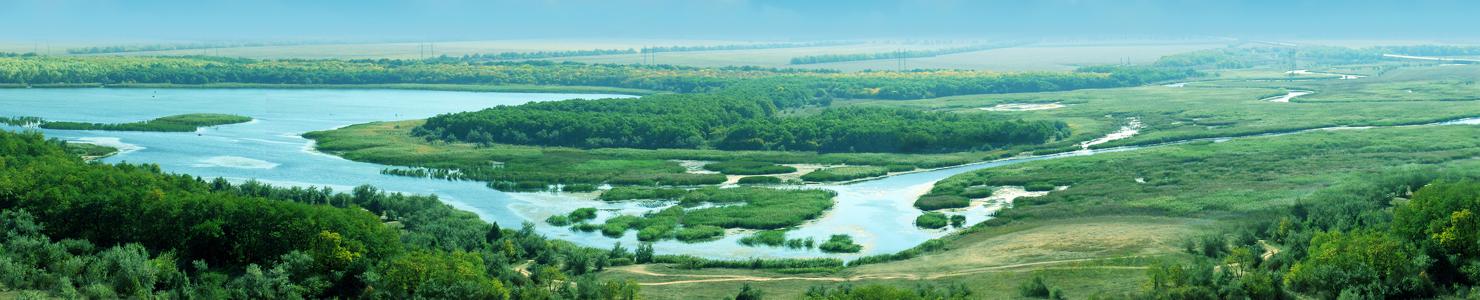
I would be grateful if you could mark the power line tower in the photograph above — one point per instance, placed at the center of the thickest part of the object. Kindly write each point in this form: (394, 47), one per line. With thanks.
(899, 58)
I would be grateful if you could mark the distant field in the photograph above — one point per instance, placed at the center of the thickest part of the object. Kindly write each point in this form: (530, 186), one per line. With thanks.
(415, 50)
(1050, 57)
(1033, 58)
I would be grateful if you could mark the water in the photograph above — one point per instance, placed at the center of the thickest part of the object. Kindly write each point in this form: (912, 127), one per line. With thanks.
(878, 213)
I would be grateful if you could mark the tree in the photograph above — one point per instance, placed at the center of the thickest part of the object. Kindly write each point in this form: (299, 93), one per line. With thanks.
(644, 253)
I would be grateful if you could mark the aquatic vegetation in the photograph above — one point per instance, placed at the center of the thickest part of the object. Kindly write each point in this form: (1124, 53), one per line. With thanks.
(840, 243)
(845, 173)
(175, 123)
(748, 168)
(932, 220)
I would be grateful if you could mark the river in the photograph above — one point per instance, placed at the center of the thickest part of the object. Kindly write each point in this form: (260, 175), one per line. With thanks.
(878, 213)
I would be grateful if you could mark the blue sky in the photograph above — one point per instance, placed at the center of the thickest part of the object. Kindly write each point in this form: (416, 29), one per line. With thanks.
(750, 19)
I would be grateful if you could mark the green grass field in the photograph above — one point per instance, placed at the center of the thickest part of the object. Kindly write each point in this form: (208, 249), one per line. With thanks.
(1234, 108)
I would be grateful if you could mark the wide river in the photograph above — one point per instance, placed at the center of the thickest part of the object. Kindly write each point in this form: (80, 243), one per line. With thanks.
(877, 213)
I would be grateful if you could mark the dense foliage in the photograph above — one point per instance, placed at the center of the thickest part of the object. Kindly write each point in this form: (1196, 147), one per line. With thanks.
(1363, 239)
(133, 231)
(734, 121)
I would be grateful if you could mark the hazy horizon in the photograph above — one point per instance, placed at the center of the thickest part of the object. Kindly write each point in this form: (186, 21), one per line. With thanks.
(427, 20)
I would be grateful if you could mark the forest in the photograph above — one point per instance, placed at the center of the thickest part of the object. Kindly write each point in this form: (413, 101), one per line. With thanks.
(730, 122)
(26, 69)
(133, 231)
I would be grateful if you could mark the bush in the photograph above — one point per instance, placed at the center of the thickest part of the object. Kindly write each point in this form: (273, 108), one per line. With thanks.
(958, 221)
(759, 180)
(840, 243)
(900, 168)
(765, 237)
(558, 220)
(578, 188)
(1036, 288)
(932, 220)
(1039, 187)
(635, 192)
(978, 192)
(582, 214)
(748, 168)
(934, 202)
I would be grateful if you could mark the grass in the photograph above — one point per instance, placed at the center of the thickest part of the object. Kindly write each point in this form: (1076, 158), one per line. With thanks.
(845, 173)
(175, 123)
(1210, 179)
(759, 180)
(1083, 257)
(90, 151)
(1233, 108)
(748, 168)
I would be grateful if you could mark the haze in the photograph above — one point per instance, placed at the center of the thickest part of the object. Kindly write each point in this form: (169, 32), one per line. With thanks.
(427, 20)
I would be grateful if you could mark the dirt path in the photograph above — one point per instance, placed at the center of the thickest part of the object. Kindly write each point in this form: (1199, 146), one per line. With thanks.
(704, 278)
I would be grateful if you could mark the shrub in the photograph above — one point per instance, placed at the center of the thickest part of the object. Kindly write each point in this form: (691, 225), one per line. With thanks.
(558, 220)
(634, 192)
(978, 192)
(932, 220)
(578, 188)
(759, 180)
(748, 168)
(840, 243)
(1039, 187)
(698, 233)
(845, 173)
(582, 214)
(934, 202)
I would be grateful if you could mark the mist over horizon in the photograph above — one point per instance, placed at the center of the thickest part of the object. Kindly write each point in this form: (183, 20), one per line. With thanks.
(437, 20)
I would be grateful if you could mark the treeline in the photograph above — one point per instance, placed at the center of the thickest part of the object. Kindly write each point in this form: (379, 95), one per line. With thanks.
(184, 46)
(746, 46)
(733, 122)
(1432, 50)
(831, 58)
(1249, 57)
(538, 54)
(135, 232)
(874, 85)
(892, 130)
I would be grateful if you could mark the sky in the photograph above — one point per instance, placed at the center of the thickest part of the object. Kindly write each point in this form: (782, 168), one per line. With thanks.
(728, 19)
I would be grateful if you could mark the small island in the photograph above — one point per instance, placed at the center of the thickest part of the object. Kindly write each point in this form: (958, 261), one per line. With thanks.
(175, 123)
